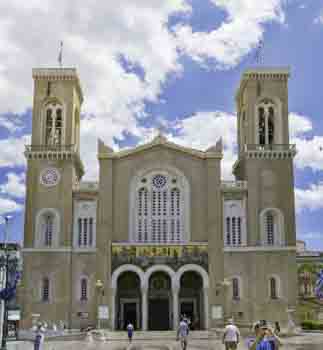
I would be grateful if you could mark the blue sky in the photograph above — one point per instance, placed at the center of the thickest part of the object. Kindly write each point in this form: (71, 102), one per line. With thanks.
(175, 63)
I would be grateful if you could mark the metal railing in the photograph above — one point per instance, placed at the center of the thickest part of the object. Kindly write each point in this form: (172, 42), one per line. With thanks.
(50, 148)
(275, 147)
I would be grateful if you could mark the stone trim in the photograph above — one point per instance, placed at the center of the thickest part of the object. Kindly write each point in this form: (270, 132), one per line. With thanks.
(59, 250)
(161, 140)
(55, 74)
(259, 249)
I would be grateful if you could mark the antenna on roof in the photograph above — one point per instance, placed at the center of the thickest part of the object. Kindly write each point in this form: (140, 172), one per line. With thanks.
(60, 54)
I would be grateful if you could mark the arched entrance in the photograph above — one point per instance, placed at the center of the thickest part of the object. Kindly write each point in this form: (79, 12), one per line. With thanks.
(128, 300)
(159, 301)
(191, 298)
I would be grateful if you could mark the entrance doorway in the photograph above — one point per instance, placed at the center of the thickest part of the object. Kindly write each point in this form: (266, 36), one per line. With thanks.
(159, 305)
(159, 314)
(191, 298)
(130, 311)
(188, 309)
(128, 300)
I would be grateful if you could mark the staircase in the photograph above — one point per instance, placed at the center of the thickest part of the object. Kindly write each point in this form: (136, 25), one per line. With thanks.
(157, 335)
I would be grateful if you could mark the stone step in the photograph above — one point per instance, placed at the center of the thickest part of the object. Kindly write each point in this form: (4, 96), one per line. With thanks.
(154, 335)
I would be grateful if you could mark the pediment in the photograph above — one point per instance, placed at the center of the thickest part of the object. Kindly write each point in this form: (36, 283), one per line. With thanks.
(105, 152)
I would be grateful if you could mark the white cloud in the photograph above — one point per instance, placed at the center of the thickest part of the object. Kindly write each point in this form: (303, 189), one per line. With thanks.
(203, 129)
(309, 148)
(8, 206)
(299, 125)
(235, 37)
(310, 198)
(15, 185)
(12, 151)
(319, 18)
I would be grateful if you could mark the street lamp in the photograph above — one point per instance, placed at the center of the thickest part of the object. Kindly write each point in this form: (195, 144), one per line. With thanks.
(9, 265)
(99, 287)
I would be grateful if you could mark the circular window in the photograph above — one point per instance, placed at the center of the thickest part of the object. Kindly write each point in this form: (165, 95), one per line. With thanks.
(49, 177)
(159, 181)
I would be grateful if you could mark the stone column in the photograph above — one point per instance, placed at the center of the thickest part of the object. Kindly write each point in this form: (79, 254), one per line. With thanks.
(206, 307)
(144, 306)
(175, 292)
(113, 306)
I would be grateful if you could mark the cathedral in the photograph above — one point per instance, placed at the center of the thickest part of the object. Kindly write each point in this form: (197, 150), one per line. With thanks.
(160, 234)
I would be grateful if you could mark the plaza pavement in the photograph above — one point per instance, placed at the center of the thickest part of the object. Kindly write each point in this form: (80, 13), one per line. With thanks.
(305, 342)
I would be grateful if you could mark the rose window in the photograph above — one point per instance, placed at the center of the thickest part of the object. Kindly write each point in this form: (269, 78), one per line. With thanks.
(159, 181)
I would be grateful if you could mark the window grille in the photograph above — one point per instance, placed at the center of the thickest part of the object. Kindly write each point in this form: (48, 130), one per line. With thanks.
(273, 288)
(159, 210)
(235, 288)
(45, 289)
(270, 228)
(48, 230)
(83, 289)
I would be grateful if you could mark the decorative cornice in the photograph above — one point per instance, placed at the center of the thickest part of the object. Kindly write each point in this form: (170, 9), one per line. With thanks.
(259, 249)
(161, 140)
(60, 152)
(59, 250)
(56, 74)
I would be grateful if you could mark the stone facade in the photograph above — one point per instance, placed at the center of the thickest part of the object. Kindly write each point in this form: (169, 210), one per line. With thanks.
(160, 232)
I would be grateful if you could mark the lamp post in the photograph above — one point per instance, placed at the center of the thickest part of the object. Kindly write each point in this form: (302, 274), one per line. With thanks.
(9, 266)
(99, 287)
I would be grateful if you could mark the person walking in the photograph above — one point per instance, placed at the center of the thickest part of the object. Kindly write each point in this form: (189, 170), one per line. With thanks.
(39, 337)
(231, 336)
(130, 331)
(182, 333)
(264, 339)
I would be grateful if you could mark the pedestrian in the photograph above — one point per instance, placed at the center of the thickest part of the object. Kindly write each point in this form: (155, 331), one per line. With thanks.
(39, 337)
(277, 328)
(130, 330)
(264, 339)
(231, 336)
(182, 333)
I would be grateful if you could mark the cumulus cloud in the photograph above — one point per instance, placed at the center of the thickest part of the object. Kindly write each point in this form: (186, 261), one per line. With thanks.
(309, 148)
(203, 129)
(310, 198)
(319, 18)
(8, 206)
(12, 151)
(236, 36)
(15, 185)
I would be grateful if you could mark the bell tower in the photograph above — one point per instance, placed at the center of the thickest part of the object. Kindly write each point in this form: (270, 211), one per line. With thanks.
(54, 165)
(265, 157)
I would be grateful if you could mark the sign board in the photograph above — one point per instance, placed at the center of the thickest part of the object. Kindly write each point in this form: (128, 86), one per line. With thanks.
(83, 315)
(14, 315)
(103, 312)
(217, 312)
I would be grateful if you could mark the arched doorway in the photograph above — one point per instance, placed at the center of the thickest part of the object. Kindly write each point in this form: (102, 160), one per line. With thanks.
(159, 301)
(191, 303)
(128, 300)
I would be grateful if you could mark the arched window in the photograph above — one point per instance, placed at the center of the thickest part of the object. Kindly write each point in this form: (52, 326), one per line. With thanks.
(84, 289)
(47, 228)
(160, 205)
(45, 289)
(273, 288)
(85, 232)
(270, 230)
(266, 122)
(272, 227)
(234, 223)
(53, 124)
(235, 288)
(84, 224)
